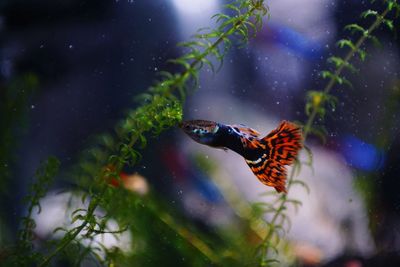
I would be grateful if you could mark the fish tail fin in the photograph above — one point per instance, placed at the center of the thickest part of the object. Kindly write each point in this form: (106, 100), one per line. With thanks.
(281, 148)
(284, 142)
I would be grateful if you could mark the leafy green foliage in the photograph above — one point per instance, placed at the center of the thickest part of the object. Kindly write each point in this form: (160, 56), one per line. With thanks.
(24, 253)
(160, 109)
(316, 108)
(316, 100)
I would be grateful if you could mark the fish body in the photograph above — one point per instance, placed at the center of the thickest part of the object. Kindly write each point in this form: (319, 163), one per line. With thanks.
(266, 156)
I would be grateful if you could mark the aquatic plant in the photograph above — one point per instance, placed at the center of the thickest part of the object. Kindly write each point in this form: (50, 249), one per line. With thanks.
(25, 253)
(159, 109)
(318, 102)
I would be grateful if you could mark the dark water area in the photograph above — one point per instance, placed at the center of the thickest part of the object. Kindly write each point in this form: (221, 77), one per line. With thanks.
(72, 70)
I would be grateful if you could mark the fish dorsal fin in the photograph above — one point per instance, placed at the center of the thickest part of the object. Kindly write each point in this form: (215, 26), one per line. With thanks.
(245, 130)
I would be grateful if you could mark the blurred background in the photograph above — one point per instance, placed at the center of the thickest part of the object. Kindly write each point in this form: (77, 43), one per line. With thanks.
(70, 69)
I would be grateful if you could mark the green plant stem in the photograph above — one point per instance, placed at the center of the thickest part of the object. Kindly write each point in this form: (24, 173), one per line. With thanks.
(339, 70)
(208, 50)
(379, 19)
(220, 39)
(191, 238)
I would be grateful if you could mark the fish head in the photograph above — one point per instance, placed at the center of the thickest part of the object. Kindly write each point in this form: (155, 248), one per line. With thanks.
(201, 131)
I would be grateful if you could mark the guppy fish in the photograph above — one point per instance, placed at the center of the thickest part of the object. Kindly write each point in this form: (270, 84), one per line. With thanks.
(266, 156)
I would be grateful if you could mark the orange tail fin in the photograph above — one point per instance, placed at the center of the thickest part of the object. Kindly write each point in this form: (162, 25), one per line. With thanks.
(281, 148)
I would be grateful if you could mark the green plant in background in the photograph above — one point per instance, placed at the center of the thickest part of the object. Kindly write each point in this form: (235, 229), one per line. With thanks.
(44, 176)
(318, 102)
(161, 108)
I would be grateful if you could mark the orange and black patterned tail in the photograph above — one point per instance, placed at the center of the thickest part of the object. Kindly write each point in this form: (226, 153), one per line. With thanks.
(281, 148)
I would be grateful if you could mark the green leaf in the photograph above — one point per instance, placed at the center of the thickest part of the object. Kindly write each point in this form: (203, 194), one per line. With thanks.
(233, 7)
(368, 13)
(180, 61)
(142, 141)
(301, 183)
(390, 5)
(362, 54)
(59, 229)
(296, 203)
(77, 217)
(78, 210)
(220, 16)
(355, 28)
(345, 82)
(346, 42)
(340, 62)
(375, 41)
(229, 22)
(389, 24)
(319, 132)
